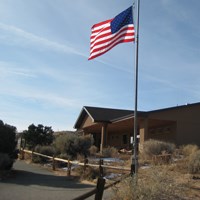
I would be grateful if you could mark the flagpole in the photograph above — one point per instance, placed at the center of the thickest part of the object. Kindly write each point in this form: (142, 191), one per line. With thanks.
(134, 166)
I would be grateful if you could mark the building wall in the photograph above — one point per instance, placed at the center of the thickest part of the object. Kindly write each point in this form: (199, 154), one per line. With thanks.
(119, 141)
(188, 122)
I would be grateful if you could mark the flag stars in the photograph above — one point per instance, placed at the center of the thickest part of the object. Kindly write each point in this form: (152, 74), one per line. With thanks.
(122, 19)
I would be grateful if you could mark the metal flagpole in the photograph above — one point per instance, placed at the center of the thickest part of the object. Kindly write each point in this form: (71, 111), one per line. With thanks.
(134, 166)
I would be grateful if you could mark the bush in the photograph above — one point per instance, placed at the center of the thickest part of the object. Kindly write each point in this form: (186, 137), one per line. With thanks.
(189, 149)
(72, 145)
(8, 140)
(155, 147)
(93, 150)
(46, 150)
(157, 184)
(5, 162)
(110, 152)
(194, 162)
(88, 173)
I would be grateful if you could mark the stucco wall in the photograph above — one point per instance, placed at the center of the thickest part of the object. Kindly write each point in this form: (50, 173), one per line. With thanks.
(188, 122)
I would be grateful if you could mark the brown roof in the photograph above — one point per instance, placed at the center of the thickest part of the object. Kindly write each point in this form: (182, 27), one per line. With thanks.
(107, 115)
(176, 107)
(110, 115)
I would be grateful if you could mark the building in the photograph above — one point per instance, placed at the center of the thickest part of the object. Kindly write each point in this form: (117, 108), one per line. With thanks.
(115, 127)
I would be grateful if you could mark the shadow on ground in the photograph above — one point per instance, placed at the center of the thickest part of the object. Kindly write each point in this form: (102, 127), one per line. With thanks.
(40, 177)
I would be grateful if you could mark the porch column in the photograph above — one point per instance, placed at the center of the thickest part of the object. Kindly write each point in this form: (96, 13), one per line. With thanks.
(143, 133)
(103, 137)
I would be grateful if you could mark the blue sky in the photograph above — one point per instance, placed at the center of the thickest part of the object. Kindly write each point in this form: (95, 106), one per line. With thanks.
(45, 75)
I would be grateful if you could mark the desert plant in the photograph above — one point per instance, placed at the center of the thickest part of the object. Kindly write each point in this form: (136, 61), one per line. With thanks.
(46, 150)
(156, 147)
(87, 173)
(72, 145)
(157, 184)
(194, 162)
(93, 150)
(189, 149)
(110, 152)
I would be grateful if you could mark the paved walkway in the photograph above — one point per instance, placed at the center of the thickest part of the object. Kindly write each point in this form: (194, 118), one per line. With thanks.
(32, 182)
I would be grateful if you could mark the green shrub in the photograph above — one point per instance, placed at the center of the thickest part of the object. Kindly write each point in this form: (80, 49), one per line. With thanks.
(38, 135)
(155, 147)
(5, 162)
(194, 162)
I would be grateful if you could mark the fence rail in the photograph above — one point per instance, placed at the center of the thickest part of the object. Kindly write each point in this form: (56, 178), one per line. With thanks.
(78, 163)
(100, 187)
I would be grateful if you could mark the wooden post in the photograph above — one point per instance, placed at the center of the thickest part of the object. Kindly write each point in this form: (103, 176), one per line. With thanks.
(54, 164)
(103, 137)
(85, 164)
(32, 156)
(100, 189)
(100, 168)
(22, 154)
(68, 168)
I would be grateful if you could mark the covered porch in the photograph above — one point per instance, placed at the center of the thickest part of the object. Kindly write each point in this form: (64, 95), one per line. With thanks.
(118, 131)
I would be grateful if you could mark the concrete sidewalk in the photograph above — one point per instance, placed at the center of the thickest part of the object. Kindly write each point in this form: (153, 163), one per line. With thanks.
(32, 182)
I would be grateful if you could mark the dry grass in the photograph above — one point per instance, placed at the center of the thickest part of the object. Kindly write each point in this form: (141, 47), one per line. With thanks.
(158, 182)
(175, 180)
(194, 162)
(189, 149)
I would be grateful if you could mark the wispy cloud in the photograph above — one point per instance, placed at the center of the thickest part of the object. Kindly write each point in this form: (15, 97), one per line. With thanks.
(22, 37)
(9, 69)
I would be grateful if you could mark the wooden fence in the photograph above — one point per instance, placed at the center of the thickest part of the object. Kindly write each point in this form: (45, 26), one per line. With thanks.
(100, 187)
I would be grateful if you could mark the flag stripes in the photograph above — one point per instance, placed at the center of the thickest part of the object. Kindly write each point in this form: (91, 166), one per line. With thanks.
(102, 39)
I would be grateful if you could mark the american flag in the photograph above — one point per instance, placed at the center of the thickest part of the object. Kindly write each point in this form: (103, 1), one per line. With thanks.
(105, 35)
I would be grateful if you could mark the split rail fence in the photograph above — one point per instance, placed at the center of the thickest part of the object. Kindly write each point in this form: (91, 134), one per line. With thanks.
(100, 187)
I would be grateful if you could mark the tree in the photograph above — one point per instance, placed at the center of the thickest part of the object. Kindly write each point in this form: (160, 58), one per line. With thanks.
(7, 139)
(38, 135)
(7, 145)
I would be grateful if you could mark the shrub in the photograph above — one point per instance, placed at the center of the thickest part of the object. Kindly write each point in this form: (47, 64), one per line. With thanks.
(194, 162)
(72, 145)
(93, 150)
(110, 152)
(157, 184)
(155, 147)
(88, 173)
(189, 149)
(5, 162)
(46, 150)
(8, 139)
